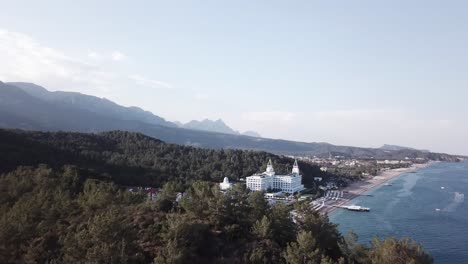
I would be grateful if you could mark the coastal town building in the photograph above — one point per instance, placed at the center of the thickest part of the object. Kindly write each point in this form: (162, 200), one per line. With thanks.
(394, 162)
(269, 180)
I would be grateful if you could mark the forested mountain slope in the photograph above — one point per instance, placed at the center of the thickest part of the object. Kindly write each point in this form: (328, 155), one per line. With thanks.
(61, 216)
(71, 207)
(135, 159)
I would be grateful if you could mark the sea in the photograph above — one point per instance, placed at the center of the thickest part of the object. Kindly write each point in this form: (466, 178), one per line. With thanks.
(427, 205)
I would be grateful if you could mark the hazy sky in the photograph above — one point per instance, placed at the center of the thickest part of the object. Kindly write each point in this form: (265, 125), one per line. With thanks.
(360, 73)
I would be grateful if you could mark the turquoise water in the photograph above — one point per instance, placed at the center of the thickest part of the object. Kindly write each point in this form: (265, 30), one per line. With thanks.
(408, 208)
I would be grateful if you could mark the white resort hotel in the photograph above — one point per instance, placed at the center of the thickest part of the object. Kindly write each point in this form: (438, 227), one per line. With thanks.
(291, 183)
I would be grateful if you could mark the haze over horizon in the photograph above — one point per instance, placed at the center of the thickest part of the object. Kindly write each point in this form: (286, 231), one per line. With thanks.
(360, 74)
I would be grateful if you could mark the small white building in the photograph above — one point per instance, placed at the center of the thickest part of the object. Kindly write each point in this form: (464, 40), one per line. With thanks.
(273, 195)
(388, 162)
(318, 179)
(291, 183)
(225, 185)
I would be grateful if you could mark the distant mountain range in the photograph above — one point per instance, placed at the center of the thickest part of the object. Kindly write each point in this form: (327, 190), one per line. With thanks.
(398, 148)
(110, 109)
(31, 107)
(215, 126)
(93, 104)
(251, 133)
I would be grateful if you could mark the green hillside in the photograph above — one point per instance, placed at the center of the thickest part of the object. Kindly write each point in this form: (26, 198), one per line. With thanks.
(62, 201)
(135, 159)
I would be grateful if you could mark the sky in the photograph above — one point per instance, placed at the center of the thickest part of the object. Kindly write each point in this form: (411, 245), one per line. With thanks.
(360, 73)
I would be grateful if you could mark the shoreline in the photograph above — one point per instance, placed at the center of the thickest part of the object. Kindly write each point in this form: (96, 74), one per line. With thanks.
(360, 187)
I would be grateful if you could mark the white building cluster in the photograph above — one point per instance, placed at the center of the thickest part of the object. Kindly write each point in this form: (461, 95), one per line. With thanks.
(225, 185)
(291, 183)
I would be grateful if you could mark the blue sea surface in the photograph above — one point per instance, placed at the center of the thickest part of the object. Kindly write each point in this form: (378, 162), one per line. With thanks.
(428, 206)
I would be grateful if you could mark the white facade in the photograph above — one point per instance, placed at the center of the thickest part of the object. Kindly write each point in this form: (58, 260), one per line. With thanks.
(290, 183)
(225, 185)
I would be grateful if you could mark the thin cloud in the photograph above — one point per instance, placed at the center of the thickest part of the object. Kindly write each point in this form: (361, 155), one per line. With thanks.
(269, 116)
(118, 56)
(144, 81)
(357, 114)
(25, 59)
(94, 55)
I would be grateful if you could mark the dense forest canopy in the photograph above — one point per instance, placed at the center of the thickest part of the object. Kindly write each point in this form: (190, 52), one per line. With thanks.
(62, 201)
(135, 159)
(62, 216)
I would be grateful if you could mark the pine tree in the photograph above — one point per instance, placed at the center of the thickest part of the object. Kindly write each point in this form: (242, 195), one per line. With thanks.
(303, 251)
(393, 251)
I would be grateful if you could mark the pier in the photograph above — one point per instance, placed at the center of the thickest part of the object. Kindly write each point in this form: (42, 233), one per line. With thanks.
(354, 208)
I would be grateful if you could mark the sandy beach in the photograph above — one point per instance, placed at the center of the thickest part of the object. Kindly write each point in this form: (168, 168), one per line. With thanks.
(359, 187)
